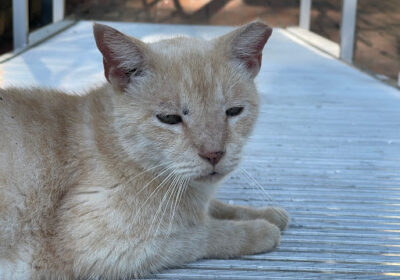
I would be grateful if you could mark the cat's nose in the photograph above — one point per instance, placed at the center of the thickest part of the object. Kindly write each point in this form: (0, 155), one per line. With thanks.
(212, 157)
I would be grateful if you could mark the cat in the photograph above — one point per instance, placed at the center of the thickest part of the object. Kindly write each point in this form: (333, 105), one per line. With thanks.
(119, 182)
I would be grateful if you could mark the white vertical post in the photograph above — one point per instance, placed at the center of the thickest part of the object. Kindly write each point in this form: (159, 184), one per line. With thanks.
(398, 80)
(305, 13)
(20, 23)
(58, 10)
(347, 30)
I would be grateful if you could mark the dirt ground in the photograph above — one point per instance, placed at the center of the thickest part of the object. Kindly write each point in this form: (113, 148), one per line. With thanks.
(377, 47)
(214, 12)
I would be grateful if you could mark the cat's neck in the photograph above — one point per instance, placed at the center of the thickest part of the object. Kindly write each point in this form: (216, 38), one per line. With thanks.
(108, 150)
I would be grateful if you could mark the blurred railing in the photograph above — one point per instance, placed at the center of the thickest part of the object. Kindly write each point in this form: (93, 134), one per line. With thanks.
(21, 35)
(345, 49)
(347, 27)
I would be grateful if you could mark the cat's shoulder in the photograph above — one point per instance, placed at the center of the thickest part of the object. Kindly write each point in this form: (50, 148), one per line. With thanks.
(26, 105)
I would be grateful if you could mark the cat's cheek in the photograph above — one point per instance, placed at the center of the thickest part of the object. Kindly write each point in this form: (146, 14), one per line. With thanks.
(233, 155)
(243, 126)
(163, 135)
(176, 129)
(233, 121)
(240, 125)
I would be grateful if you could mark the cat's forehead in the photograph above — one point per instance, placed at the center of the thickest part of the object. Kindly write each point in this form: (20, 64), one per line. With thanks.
(174, 47)
(187, 54)
(194, 68)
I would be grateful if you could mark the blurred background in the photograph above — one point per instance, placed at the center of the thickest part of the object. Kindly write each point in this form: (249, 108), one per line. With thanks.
(377, 32)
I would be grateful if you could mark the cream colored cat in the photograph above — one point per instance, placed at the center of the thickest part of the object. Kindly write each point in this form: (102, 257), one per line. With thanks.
(119, 183)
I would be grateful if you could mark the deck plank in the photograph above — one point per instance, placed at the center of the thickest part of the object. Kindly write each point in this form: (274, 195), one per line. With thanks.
(326, 147)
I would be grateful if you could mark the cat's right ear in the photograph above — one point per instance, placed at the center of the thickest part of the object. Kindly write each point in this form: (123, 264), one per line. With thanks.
(124, 57)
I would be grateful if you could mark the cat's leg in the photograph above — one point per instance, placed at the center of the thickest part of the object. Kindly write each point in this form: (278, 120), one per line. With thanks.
(213, 239)
(210, 238)
(274, 215)
(230, 238)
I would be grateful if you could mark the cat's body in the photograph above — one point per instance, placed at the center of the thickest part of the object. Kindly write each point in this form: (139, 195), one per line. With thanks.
(110, 185)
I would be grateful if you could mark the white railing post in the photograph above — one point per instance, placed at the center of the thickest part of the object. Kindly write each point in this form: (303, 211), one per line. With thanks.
(398, 80)
(58, 10)
(305, 14)
(20, 23)
(347, 30)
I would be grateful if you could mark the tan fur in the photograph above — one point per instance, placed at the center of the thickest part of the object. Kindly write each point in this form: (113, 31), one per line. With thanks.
(96, 186)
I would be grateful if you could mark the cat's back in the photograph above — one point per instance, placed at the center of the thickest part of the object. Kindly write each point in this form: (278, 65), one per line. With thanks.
(38, 130)
(35, 124)
(33, 110)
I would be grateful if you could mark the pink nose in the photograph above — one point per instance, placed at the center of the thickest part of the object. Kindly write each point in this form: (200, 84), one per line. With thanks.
(212, 157)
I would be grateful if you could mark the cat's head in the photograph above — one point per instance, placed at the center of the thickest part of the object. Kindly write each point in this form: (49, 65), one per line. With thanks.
(184, 104)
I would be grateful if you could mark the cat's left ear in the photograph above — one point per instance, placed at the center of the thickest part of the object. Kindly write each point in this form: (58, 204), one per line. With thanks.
(124, 57)
(245, 44)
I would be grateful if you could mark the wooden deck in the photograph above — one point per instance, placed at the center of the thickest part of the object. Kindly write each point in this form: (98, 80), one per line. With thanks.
(326, 147)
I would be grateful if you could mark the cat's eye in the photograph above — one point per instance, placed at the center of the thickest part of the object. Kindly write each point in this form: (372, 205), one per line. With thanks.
(169, 119)
(234, 111)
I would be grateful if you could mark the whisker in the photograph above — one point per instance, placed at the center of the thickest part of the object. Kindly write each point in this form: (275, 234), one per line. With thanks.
(173, 187)
(156, 214)
(125, 200)
(170, 191)
(181, 191)
(185, 170)
(140, 173)
(268, 197)
(188, 166)
(176, 193)
(187, 174)
(160, 174)
(153, 192)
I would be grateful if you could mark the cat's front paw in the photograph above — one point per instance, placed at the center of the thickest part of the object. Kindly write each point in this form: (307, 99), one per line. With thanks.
(267, 236)
(277, 216)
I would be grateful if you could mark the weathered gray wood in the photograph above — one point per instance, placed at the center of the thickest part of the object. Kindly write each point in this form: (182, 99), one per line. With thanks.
(272, 265)
(326, 147)
(331, 257)
(260, 275)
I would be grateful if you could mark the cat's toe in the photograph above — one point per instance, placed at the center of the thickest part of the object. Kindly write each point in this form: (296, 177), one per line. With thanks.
(277, 216)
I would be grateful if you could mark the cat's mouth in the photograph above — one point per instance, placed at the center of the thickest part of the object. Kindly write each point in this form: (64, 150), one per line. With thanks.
(212, 176)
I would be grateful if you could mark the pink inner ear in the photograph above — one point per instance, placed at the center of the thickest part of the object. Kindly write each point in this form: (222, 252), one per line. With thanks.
(115, 75)
(253, 62)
